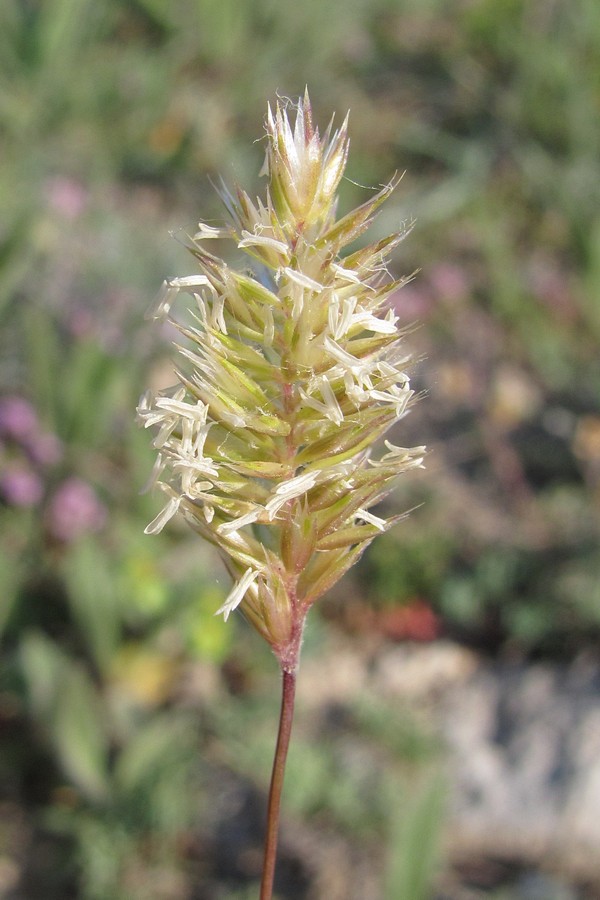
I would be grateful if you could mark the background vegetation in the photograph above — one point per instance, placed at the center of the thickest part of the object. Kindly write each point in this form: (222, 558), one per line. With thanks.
(122, 700)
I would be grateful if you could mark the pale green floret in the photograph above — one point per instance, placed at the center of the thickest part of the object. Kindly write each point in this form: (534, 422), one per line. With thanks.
(287, 381)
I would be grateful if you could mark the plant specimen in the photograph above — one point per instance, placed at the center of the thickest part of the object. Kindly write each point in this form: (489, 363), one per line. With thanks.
(290, 372)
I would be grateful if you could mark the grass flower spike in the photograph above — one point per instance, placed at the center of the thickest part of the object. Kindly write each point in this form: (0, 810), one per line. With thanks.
(290, 372)
(289, 375)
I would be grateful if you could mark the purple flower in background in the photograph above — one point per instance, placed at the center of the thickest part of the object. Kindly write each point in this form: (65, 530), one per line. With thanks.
(19, 423)
(66, 197)
(20, 486)
(18, 419)
(74, 510)
(413, 301)
(449, 281)
(45, 449)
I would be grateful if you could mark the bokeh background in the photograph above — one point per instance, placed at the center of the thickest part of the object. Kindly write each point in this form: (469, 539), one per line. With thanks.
(136, 730)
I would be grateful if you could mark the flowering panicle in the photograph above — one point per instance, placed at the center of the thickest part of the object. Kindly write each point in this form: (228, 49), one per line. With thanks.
(289, 374)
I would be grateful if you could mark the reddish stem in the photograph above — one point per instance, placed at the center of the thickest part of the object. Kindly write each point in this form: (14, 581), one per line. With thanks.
(286, 716)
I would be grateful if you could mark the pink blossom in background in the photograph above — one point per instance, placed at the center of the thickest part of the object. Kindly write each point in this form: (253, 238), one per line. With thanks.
(18, 419)
(66, 196)
(412, 302)
(20, 486)
(45, 449)
(19, 423)
(74, 510)
(552, 287)
(413, 622)
(82, 323)
(448, 281)
(418, 299)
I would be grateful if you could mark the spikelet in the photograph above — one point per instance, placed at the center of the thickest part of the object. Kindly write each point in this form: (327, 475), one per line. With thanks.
(290, 375)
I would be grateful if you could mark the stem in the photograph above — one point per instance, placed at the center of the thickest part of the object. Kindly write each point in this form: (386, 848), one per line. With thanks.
(286, 715)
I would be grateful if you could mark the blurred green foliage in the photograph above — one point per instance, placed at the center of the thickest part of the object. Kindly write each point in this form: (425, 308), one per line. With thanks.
(112, 116)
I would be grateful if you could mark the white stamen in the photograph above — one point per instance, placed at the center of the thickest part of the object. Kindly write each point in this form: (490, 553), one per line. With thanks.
(144, 406)
(168, 292)
(188, 281)
(261, 240)
(394, 397)
(401, 454)
(194, 412)
(269, 326)
(333, 313)
(168, 511)
(206, 232)
(349, 362)
(347, 319)
(237, 593)
(217, 314)
(294, 487)
(157, 470)
(236, 524)
(303, 280)
(313, 403)
(346, 274)
(161, 306)
(332, 407)
(370, 322)
(195, 466)
(371, 519)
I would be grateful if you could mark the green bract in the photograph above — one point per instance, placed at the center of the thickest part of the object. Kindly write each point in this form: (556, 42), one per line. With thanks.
(288, 377)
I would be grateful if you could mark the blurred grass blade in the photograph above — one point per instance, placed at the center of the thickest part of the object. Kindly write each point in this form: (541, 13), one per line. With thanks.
(9, 579)
(94, 599)
(79, 735)
(414, 842)
(66, 702)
